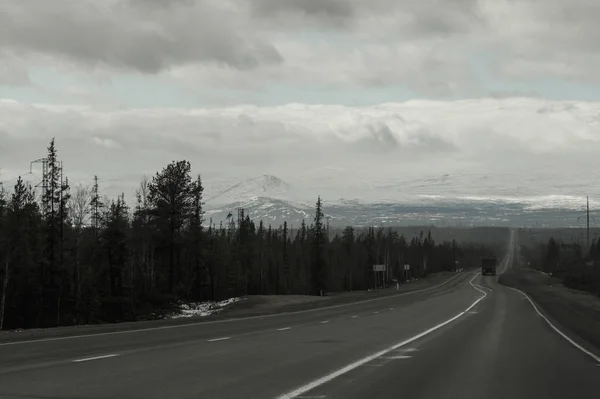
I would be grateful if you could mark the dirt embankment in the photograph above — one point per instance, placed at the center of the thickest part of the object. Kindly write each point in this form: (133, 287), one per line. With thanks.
(576, 312)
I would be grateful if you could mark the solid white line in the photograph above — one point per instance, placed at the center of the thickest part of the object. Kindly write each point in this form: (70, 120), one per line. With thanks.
(396, 357)
(320, 381)
(95, 358)
(410, 350)
(228, 320)
(284, 328)
(218, 339)
(481, 286)
(562, 334)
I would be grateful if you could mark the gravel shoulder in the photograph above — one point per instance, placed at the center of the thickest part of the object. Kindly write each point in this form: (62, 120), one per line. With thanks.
(576, 313)
(252, 305)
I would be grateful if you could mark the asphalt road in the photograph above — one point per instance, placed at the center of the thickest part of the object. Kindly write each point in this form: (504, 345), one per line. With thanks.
(468, 338)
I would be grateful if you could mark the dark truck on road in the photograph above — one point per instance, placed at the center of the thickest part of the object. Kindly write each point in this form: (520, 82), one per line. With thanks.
(488, 266)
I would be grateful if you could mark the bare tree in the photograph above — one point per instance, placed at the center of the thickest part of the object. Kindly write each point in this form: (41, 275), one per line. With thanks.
(80, 210)
(79, 206)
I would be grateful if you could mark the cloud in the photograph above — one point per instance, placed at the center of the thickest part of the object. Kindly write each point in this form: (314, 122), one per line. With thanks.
(130, 35)
(313, 8)
(13, 72)
(426, 46)
(336, 146)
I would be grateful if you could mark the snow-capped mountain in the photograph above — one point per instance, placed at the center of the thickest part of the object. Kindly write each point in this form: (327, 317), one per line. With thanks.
(433, 200)
(248, 190)
(265, 197)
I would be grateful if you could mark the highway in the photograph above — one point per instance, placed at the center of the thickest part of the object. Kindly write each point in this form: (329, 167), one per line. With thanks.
(466, 338)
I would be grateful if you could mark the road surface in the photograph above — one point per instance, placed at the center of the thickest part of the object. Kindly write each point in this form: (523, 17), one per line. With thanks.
(467, 338)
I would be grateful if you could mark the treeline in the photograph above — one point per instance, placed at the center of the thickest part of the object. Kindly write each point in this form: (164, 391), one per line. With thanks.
(570, 262)
(70, 256)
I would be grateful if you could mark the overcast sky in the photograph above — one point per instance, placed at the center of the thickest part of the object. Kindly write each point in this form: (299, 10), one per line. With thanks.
(303, 89)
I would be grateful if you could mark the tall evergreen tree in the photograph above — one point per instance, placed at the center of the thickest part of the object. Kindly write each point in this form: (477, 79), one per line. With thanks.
(319, 267)
(171, 196)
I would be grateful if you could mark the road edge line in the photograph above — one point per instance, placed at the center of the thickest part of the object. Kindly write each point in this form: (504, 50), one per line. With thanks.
(32, 341)
(331, 376)
(562, 334)
(87, 359)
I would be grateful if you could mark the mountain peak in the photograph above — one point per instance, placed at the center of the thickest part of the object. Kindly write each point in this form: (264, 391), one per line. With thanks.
(262, 186)
(267, 181)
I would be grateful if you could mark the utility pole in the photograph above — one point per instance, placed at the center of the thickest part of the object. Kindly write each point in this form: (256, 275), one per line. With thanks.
(44, 182)
(588, 223)
(454, 254)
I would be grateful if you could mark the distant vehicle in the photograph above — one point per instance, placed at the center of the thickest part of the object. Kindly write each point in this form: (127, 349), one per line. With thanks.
(488, 266)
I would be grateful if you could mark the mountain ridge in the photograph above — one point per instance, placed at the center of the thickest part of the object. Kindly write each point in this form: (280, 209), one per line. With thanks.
(273, 200)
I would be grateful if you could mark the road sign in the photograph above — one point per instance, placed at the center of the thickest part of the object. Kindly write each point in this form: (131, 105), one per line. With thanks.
(406, 267)
(379, 268)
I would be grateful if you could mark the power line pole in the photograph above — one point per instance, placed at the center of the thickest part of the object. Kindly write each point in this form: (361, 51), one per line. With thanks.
(588, 223)
(44, 182)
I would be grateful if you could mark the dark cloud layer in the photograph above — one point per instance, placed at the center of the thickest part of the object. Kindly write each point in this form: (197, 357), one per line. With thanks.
(117, 34)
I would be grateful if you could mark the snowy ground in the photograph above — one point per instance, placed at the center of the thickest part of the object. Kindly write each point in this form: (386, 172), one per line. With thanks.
(195, 309)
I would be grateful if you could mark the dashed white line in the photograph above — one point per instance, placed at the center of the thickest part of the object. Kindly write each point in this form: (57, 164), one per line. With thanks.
(376, 312)
(354, 317)
(87, 359)
(575, 344)
(325, 322)
(320, 381)
(391, 308)
(284, 328)
(219, 339)
(396, 357)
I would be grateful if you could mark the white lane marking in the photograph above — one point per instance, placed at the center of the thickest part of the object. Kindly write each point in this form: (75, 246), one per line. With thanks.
(320, 381)
(354, 317)
(562, 334)
(219, 339)
(87, 359)
(284, 328)
(325, 322)
(312, 397)
(32, 341)
(396, 357)
(410, 350)
(391, 308)
(481, 286)
(376, 312)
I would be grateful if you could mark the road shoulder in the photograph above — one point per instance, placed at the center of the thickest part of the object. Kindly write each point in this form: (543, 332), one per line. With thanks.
(574, 312)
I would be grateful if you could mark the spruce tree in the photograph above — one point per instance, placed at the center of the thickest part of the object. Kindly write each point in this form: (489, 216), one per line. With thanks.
(319, 267)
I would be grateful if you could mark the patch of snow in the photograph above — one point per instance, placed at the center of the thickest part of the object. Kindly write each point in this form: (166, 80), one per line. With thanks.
(201, 309)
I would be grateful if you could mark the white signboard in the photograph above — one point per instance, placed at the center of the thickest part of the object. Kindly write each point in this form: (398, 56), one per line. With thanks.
(406, 267)
(378, 268)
